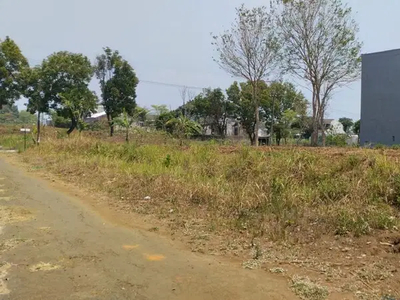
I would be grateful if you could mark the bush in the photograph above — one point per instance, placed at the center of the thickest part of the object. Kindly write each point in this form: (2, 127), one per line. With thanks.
(338, 140)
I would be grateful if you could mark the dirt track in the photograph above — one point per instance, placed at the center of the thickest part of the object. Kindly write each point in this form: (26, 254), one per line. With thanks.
(53, 246)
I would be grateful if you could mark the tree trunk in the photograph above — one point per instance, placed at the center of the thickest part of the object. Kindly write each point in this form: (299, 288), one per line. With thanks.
(256, 114)
(73, 126)
(111, 124)
(323, 127)
(315, 120)
(38, 129)
(127, 135)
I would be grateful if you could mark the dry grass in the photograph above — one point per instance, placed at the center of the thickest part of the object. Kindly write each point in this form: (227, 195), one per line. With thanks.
(304, 198)
(308, 290)
(294, 194)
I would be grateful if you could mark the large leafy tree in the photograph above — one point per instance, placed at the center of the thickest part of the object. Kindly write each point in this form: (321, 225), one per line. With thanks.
(70, 75)
(63, 85)
(211, 109)
(279, 100)
(320, 46)
(118, 82)
(12, 63)
(248, 50)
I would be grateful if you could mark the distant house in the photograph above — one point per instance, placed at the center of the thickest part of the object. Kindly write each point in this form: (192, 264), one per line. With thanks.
(97, 117)
(334, 127)
(380, 95)
(235, 130)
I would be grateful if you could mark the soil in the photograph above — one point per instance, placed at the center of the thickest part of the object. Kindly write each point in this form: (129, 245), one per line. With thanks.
(59, 243)
(64, 242)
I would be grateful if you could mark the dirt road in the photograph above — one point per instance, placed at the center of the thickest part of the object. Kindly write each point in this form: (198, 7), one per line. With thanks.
(54, 246)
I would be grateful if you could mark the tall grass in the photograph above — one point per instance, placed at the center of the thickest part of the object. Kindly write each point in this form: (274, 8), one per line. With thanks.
(280, 193)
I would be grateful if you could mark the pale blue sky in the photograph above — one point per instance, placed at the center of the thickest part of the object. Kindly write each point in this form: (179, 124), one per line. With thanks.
(167, 41)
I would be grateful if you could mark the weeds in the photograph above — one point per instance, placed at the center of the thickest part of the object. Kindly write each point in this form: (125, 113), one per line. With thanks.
(308, 290)
(275, 193)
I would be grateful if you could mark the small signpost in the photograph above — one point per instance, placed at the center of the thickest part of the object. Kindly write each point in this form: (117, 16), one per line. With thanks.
(25, 130)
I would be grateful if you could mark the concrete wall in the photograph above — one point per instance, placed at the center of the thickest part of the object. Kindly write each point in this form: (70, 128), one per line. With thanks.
(380, 98)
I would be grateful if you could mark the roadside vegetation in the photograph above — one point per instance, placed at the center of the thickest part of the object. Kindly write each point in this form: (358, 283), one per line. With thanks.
(278, 193)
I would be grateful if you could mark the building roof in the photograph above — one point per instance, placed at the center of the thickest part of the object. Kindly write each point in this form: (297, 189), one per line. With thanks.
(382, 52)
(97, 115)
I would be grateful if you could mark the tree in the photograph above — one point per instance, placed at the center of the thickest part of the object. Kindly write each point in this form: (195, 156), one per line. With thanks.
(320, 46)
(304, 124)
(356, 127)
(281, 97)
(211, 109)
(160, 109)
(59, 121)
(125, 121)
(37, 91)
(9, 114)
(241, 97)
(347, 124)
(140, 114)
(118, 83)
(77, 104)
(26, 118)
(283, 128)
(65, 80)
(12, 63)
(183, 127)
(163, 121)
(249, 51)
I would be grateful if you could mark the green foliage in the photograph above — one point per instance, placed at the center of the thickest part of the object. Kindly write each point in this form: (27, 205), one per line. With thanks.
(64, 86)
(118, 83)
(211, 109)
(160, 109)
(163, 121)
(9, 114)
(12, 63)
(26, 117)
(77, 104)
(241, 97)
(338, 140)
(182, 127)
(59, 121)
(356, 127)
(347, 124)
(280, 99)
(38, 89)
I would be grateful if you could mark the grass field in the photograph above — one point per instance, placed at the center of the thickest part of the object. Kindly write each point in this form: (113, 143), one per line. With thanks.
(273, 192)
(285, 195)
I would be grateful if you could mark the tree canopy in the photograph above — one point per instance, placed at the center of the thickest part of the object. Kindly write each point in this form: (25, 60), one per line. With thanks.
(118, 83)
(12, 63)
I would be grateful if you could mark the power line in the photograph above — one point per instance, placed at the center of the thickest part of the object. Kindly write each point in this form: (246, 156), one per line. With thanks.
(172, 85)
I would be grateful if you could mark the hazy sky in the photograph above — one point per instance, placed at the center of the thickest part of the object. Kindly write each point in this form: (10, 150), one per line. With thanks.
(167, 41)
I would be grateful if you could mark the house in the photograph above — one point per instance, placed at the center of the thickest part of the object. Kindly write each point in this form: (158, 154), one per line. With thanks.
(380, 98)
(100, 115)
(97, 117)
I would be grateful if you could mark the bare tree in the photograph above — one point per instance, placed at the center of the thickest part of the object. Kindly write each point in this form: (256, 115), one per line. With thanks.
(184, 93)
(320, 46)
(248, 50)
